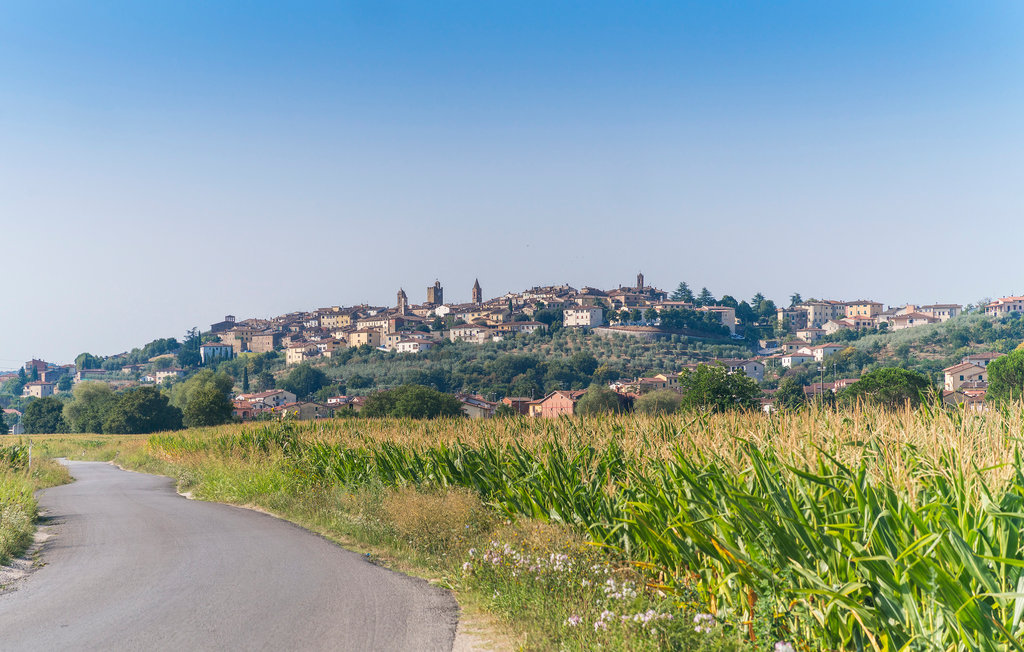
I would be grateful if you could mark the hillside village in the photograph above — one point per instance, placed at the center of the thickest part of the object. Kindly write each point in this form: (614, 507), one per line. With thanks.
(802, 337)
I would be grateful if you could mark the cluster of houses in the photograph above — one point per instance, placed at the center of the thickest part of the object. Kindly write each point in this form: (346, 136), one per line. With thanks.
(812, 320)
(413, 328)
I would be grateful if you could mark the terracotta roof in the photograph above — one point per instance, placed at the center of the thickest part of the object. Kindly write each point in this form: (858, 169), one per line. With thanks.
(963, 366)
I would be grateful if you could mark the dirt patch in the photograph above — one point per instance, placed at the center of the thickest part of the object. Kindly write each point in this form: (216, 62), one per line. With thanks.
(15, 573)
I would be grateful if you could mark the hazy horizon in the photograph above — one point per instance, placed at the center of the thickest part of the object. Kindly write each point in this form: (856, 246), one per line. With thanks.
(165, 164)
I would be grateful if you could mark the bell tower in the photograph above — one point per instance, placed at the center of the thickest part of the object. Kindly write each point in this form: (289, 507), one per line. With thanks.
(478, 294)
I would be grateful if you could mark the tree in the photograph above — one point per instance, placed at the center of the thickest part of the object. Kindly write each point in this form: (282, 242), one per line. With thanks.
(890, 387)
(264, 381)
(141, 411)
(182, 392)
(705, 298)
(3, 423)
(188, 355)
(682, 293)
(245, 380)
(44, 415)
(790, 394)
(795, 299)
(305, 380)
(87, 361)
(64, 384)
(1006, 378)
(599, 400)
(662, 401)
(712, 387)
(89, 407)
(412, 401)
(207, 406)
(33, 375)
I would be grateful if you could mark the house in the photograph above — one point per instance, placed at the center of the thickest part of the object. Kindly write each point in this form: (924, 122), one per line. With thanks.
(863, 308)
(795, 318)
(162, 374)
(242, 410)
(521, 327)
(981, 359)
(520, 404)
(1005, 306)
(583, 316)
(476, 407)
(910, 320)
(793, 346)
(942, 311)
(215, 351)
(822, 351)
(819, 312)
(268, 399)
(305, 411)
(364, 336)
(39, 389)
(796, 358)
(726, 315)
(556, 404)
(413, 346)
(470, 333)
(299, 352)
(811, 334)
(265, 341)
(754, 369)
(91, 374)
(965, 375)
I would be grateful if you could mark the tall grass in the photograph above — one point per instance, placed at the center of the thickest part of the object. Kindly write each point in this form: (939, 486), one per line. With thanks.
(861, 530)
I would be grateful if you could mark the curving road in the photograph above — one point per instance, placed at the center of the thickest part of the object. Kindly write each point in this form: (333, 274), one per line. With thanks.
(134, 566)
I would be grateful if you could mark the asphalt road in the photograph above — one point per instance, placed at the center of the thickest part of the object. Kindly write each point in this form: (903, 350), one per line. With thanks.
(134, 566)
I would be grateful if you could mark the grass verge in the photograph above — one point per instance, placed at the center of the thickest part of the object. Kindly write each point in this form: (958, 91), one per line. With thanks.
(18, 484)
(540, 584)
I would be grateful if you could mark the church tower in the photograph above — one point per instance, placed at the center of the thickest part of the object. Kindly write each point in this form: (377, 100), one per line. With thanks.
(478, 294)
(640, 281)
(403, 302)
(435, 294)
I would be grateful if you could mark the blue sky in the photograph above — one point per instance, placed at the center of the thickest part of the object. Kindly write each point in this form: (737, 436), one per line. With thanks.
(165, 163)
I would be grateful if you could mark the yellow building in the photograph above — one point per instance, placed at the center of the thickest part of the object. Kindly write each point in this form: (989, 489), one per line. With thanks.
(863, 309)
(363, 336)
(336, 320)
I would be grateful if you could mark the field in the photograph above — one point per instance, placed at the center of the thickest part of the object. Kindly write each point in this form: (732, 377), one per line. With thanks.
(853, 530)
(18, 482)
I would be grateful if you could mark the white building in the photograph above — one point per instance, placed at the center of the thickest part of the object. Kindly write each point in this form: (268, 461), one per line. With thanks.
(583, 316)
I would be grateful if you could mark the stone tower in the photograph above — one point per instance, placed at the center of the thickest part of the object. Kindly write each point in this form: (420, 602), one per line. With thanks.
(478, 294)
(435, 294)
(640, 281)
(403, 302)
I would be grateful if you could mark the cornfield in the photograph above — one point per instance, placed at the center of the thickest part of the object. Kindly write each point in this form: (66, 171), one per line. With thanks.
(866, 530)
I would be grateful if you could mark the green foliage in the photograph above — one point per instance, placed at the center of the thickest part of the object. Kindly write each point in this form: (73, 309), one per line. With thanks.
(790, 394)
(712, 387)
(889, 387)
(64, 384)
(44, 415)
(207, 406)
(142, 410)
(88, 361)
(682, 293)
(89, 407)
(188, 355)
(304, 381)
(1006, 378)
(181, 393)
(694, 320)
(662, 401)
(414, 401)
(599, 400)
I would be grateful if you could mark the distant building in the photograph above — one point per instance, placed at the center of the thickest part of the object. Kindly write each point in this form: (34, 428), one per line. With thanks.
(583, 316)
(435, 294)
(212, 351)
(39, 389)
(478, 294)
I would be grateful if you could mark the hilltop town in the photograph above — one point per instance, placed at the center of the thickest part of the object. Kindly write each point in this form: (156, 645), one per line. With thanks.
(632, 339)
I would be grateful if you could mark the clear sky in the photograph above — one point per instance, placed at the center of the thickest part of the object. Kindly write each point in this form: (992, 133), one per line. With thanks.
(165, 163)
